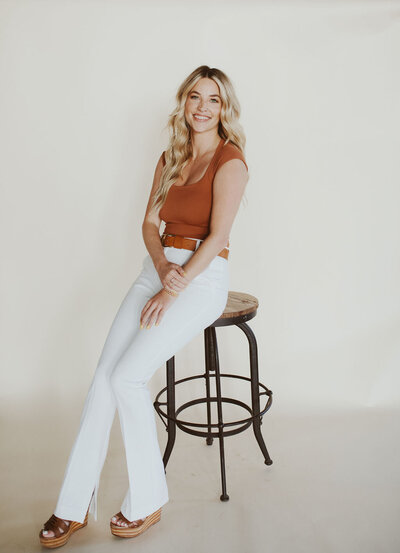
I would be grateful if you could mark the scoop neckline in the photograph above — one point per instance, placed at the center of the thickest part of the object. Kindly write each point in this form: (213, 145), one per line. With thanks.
(206, 171)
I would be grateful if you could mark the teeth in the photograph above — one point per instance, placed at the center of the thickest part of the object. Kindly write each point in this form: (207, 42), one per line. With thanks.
(201, 118)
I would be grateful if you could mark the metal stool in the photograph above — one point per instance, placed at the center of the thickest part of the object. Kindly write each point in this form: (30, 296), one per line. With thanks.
(240, 308)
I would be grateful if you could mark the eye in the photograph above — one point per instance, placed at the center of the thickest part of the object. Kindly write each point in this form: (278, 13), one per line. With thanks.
(212, 99)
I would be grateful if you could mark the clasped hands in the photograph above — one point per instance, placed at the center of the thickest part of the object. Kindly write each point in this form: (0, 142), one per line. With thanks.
(172, 278)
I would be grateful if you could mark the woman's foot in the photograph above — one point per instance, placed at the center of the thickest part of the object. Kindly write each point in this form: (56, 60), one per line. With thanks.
(61, 526)
(123, 528)
(57, 531)
(120, 520)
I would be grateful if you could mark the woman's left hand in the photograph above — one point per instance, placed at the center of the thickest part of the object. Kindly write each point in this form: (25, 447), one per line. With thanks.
(155, 308)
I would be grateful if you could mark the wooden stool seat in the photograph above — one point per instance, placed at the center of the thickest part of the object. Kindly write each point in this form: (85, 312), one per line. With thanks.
(240, 307)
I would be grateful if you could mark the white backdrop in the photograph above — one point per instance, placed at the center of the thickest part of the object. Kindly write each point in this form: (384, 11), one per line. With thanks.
(86, 89)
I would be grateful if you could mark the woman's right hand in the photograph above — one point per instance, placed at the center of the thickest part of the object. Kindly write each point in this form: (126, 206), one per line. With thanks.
(172, 276)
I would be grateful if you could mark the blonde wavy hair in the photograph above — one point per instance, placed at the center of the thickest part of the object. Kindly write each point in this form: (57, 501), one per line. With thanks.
(179, 150)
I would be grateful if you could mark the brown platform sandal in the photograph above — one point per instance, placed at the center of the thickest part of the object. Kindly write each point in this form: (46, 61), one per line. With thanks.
(134, 528)
(62, 531)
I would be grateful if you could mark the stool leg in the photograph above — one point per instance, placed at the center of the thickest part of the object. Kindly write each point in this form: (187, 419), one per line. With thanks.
(255, 396)
(171, 425)
(209, 367)
(215, 362)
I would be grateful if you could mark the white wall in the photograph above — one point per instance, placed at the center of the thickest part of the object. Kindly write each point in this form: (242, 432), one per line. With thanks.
(86, 89)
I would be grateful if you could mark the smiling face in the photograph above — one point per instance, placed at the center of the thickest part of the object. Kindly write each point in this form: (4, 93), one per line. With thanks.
(203, 106)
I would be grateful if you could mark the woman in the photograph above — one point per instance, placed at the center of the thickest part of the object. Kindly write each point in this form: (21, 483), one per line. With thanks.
(182, 288)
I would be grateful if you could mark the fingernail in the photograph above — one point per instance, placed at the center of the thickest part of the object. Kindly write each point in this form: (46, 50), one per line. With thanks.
(148, 326)
(141, 326)
(157, 324)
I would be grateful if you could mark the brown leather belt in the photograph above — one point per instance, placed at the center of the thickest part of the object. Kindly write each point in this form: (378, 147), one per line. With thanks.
(177, 241)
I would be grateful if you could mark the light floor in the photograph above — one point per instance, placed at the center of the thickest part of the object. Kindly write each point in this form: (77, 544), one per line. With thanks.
(333, 487)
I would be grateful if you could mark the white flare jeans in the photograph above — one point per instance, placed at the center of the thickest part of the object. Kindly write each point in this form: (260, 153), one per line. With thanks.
(129, 359)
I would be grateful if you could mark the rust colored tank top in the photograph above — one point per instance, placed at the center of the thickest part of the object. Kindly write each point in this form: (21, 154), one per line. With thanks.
(187, 208)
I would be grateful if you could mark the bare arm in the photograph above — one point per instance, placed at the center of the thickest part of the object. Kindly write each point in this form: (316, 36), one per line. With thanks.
(229, 184)
(151, 236)
(151, 223)
(155, 307)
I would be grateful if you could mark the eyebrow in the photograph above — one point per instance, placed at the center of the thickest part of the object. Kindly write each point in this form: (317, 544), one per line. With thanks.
(200, 94)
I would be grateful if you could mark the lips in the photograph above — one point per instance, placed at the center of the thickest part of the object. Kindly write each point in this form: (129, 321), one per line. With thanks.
(201, 117)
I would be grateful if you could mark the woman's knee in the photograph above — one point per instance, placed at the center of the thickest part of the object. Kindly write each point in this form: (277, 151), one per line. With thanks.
(123, 379)
(101, 377)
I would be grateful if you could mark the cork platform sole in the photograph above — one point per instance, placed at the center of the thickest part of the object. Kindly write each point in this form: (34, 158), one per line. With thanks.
(132, 531)
(58, 541)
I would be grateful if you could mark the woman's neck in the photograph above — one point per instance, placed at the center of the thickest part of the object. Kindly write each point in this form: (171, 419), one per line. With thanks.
(203, 143)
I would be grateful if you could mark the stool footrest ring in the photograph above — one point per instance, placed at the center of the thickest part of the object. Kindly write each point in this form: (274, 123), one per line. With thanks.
(242, 424)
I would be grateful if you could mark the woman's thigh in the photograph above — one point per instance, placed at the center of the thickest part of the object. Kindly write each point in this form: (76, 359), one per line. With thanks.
(126, 323)
(195, 308)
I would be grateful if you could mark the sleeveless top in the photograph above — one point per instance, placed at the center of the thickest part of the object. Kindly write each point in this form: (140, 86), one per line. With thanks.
(187, 208)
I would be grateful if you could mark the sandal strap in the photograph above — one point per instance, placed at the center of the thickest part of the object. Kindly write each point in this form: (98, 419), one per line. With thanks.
(133, 524)
(54, 524)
